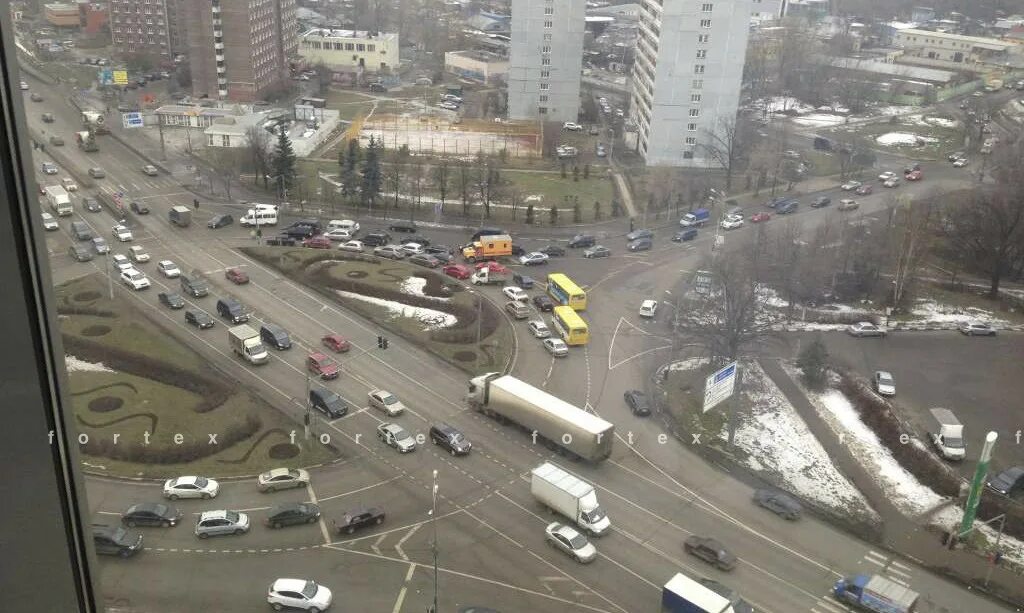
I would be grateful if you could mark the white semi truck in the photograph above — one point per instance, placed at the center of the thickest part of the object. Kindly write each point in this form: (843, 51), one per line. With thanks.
(548, 419)
(568, 495)
(59, 200)
(246, 342)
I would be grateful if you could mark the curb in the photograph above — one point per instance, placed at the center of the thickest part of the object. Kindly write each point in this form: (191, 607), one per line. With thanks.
(231, 479)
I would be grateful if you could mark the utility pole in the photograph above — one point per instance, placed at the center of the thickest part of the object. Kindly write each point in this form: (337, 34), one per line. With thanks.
(110, 279)
(309, 416)
(433, 546)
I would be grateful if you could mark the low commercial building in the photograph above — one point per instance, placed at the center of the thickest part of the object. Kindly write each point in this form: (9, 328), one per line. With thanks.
(482, 66)
(62, 15)
(350, 49)
(956, 51)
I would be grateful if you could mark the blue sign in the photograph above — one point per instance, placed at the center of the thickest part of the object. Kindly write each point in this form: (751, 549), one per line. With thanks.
(719, 386)
(106, 77)
(132, 120)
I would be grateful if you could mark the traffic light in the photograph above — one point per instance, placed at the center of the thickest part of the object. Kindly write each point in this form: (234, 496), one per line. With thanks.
(381, 342)
(385, 343)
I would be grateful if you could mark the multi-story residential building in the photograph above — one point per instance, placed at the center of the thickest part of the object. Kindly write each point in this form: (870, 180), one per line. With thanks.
(545, 59)
(93, 18)
(350, 49)
(240, 49)
(687, 77)
(140, 27)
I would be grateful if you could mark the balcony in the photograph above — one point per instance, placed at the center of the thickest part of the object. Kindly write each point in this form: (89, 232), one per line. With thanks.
(218, 46)
(217, 24)
(221, 67)
(216, 9)
(222, 82)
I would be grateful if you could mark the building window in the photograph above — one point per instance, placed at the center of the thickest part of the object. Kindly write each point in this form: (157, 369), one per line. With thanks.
(691, 127)
(547, 37)
(707, 7)
(697, 84)
(694, 97)
(360, 47)
(687, 155)
(705, 23)
(547, 24)
(543, 110)
(545, 61)
(698, 68)
(544, 85)
(549, 10)
(544, 74)
(694, 112)
(225, 140)
(371, 48)
(545, 49)
(702, 54)
(544, 98)
(337, 46)
(691, 140)
(349, 47)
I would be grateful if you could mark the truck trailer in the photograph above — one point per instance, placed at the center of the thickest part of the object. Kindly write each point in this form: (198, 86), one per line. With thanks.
(568, 495)
(684, 595)
(246, 342)
(59, 200)
(875, 593)
(548, 419)
(86, 140)
(180, 216)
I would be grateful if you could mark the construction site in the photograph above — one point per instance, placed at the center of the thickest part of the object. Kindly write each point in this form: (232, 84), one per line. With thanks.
(451, 136)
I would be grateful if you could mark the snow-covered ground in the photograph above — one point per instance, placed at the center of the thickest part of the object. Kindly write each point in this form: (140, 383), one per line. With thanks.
(76, 365)
(894, 139)
(822, 120)
(779, 443)
(932, 311)
(414, 287)
(431, 318)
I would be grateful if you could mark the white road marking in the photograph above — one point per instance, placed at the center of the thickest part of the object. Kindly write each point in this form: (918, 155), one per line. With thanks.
(401, 593)
(362, 489)
(398, 545)
(322, 521)
(376, 544)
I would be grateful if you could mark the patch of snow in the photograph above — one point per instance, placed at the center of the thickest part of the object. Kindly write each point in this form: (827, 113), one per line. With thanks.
(431, 318)
(942, 122)
(896, 110)
(819, 119)
(413, 286)
(903, 138)
(76, 365)
(771, 297)
(780, 443)
(689, 364)
(932, 311)
(780, 104)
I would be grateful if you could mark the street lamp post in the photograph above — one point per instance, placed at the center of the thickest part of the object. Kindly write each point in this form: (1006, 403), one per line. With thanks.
(110, 279)
(433, 546)
(479, 328)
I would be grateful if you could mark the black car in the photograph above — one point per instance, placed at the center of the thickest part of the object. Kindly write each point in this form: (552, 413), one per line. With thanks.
(139, 209)
(1008, 481)
(634, 235)
(543, 303)
(640, 244)
(523, 281)
(376, 239)
(438, 250)
(637, 402)
(552, 251)
(116, 541)
(327, 402)
(282, 240)
(360, 518)
(711, 551)
(444, 257)
(198, 319)
(685, 235)
(151, 514)
(220, 221)
(420, 240)
(232, 310)
(820, 201)
(450, 439)
(91, 204)
(171, 300)
(780, 503)
(292, 514)
(300, 232)
(582, 240)
(425, 260)
(403, 226)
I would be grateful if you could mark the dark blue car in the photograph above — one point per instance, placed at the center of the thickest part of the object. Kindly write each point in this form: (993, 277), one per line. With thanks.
(685, 235)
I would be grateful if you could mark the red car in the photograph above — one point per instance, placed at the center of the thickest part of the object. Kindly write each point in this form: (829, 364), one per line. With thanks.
(864, 190)
(758, 217)
(914, 175)
(317, 242)
(236, 276)
(319, 364)
(459, 271)
(335, 343)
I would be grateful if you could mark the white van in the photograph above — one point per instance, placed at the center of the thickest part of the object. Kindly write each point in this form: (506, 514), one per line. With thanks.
(260, 217)
(343, 224)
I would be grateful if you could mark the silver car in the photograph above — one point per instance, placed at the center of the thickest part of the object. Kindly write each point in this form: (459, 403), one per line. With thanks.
(216, 523)
(395, 436)
(386, 401)
(566, 538)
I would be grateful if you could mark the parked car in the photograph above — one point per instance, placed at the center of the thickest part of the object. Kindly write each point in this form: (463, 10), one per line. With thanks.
(403, 226)
(865, 328)
(384, 400)
(393, 252)
(219, 523)
(395, 436)
(637, 403)
(731, 223)
(151, 514)
(327, 402)
(458, 271)
(687, 234)
(282, 479)
(303, 594)
(597, 251)
(780, 503)
(359, 518)
(572, 126)
(322, 366)
(190, 487)
(376, 239)
(552, 251)
(335, 343)
(846, 204)
(171, 300)
(425, 260)
(450, 438)
(1007, 482)
(292, 514)
(411, 248)
(354, 246)
(281, 240)
(199, 319)
(318, 242)
(569, 540)
(543, 303)
(556, 347)
(534, 258)
(976, 328)
(710, 551)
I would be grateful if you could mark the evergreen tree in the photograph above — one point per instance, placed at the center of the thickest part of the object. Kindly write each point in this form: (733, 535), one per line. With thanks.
(575, 173)
(813, 362)
(597, 210)
(563, 170)
(372, 177)
(577, 214)
(529, 214)
(350, 168)
(284, 163)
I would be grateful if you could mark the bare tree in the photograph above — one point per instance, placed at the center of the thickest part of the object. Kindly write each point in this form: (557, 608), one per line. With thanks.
(728, 145)
(988, 227)
(464, 180)
(224, 162)
(915, 233)
(260, 152)
(442, 178)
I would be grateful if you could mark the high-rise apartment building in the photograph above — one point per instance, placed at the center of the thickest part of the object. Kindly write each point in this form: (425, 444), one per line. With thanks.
(545, 59)
(140, 27)
(239, 49)
(687, 77)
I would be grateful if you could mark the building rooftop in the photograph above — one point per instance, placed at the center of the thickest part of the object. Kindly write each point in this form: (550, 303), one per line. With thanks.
(931, 75)
(479, 55)
(235, 126)
(186, 109)
(350, 34)
(993, 44)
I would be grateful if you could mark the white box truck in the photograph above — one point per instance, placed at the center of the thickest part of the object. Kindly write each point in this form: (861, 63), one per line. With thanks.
(570, 496)
(947, 434)
(684, 595)
(59, 200)
(246, 342)
(548, 419)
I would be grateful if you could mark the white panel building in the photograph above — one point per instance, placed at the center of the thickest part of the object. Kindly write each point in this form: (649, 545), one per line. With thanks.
(687, 77)
(546, 59)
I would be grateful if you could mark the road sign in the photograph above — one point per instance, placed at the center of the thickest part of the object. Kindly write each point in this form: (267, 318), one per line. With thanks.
(132, 120)
(120, 77)
(719, 386)
(702, 282)
(106, 76)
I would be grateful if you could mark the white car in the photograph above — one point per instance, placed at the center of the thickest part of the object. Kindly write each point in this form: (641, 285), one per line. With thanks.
(413, 249)
(190, 487)
(385, 401)
(338, 234)
(865, 328)
(451, 106)
(49, 223)
(849, 186)
(885, 176)
(69, 184)
(168, 269)
(343, 224)
(569, 540)
(960, 162)
(122, 233)
(893, 182)
(138, 254)
(572, 126)
(356, 246)
(134, 279)
(847, 204)
(976, 328)
(534, 258)
(304, 594)
(50, 168)
(731, 222)
(556, 347)
(515, 293)
(883, 383)
(24, 86)
(121, 262)
(539, 329)
(150, 171)
(648, 308)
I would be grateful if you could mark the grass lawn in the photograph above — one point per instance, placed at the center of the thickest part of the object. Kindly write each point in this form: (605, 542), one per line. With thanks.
(400, 312)
(685, 390)
(157, 384)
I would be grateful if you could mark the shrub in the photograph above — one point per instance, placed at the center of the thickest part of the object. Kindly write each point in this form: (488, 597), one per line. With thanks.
(813, 362)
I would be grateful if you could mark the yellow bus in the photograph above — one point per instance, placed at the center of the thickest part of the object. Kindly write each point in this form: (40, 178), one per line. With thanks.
(563, 291)
(571, 326)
